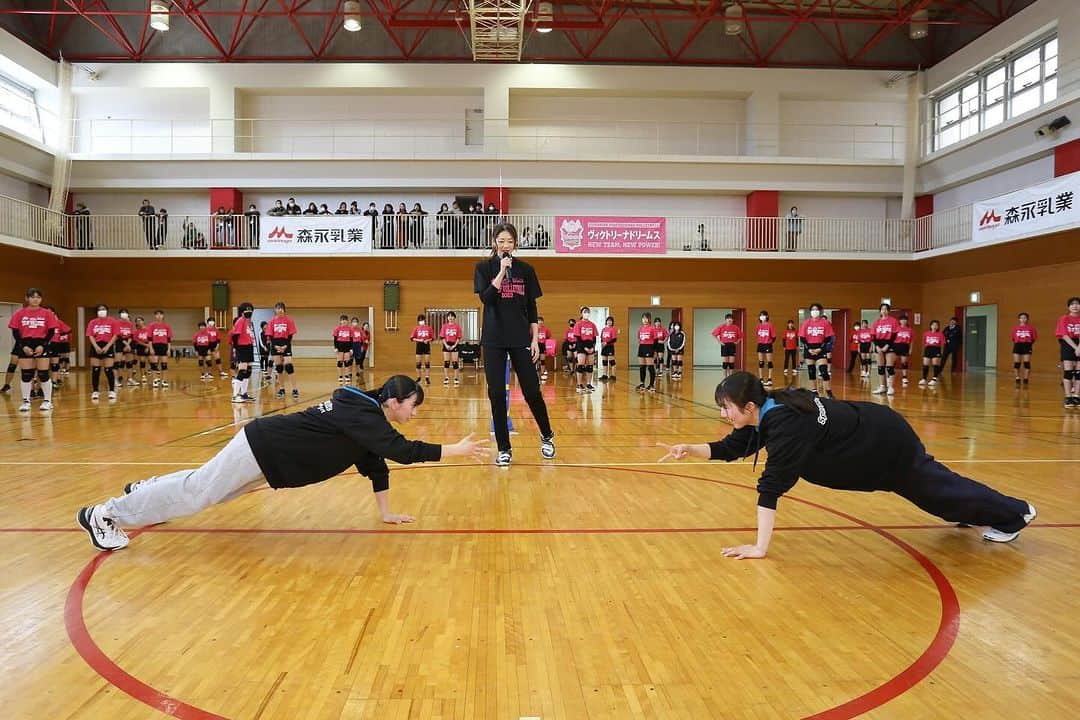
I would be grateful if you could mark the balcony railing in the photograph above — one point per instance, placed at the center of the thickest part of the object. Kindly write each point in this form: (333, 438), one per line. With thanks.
(391, 234)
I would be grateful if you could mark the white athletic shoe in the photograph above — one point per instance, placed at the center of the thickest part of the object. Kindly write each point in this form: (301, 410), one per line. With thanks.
(922, 383)
(238, 398)
(25, 407)
(905, 382)
(132, 382)
(103, 532)
(95, 395)
(112, 394)
(1000, 536)
(156, 383)
(547, 446)
(503, 458)
(880, 390)
(45, 406)
(890, 391)
(932, 383)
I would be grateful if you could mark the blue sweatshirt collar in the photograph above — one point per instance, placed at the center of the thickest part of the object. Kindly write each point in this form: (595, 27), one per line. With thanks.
(361, 393)
(768, 405)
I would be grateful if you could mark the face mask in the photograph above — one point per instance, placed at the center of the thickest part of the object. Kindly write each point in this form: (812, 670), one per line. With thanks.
(210, 324)
(102, 313)
(124, 316)
(247, 313)
(815, 313)
(763, 318)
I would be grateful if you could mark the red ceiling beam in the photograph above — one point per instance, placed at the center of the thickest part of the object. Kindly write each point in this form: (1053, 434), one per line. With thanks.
(121, 41)
(299, 30)
(797, 21)
(191, 11)
(903, 18)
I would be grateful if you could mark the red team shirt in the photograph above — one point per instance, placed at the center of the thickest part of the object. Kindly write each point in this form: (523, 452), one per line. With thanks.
(244, 332)
(201, 339)
(570, 336)
(422, 334)
(815, 330)
(854, 343)
(766, 333)
(33, 323)
(281, 327)
(646, 335)
(660, 334)
(904, 335)
(609, 334)
(124, 329)
(450, 333)
(214, 333)
(142, 335)
(101, 330)
(727, 334)
(585, 330)
(343, 333)
(865, 336)
(542, 333)
(791, 339)
(160, 333)
(885, 328)
(1024, 334)
(1068, 326)
(63, 332)
(360, 335)
(933, 339)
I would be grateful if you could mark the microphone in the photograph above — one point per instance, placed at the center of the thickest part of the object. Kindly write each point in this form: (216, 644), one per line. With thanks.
(509, 273)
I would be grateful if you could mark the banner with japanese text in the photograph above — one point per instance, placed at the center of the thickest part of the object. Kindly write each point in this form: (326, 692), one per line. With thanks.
(1044, 208)
(315, 234)
(610, 235)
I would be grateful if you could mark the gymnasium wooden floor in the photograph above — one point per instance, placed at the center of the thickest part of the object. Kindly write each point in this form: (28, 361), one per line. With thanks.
(591, 587)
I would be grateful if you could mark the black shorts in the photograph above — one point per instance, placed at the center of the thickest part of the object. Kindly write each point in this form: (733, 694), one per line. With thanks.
(142, 351)
(202, 350)
(931, 352)
(1022, 348)
(160, 349)
(33, 344)
(902, 349)
(214, 344)
(57, 349)
(569, 347)
(586, 347)
(286, 346)
(423, 348)
(728, 350)
(864, 348)
(244, 353)
(107, 355)
(607, 350)
(1067, 353)
(765, 348)
(658, 349)
(646, 351)
(885, 346)
(343, 346)
(454, 348)
(813, 358)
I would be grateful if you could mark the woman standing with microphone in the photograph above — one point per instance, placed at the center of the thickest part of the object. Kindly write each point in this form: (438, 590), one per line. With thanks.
(509, 290)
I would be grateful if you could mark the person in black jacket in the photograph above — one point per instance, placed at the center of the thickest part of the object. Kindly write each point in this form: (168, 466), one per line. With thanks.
(284, 451)
(847, 446)
(954, 338)
(508, 288)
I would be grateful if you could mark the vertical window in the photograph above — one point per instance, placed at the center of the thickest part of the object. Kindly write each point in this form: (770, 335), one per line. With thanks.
(18, 109)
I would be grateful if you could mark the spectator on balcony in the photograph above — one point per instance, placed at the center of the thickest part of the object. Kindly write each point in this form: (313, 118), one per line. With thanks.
(233, 225)
(794, 228)
(149, 222)
(402, 226)
(373, 213)
(162, 228)
(291, 208)
(354, 209)
(277, 211)
(388, 226)
(455, 224)
(251, 223)
(442, 228)
(220, 223)
(527, 240)
(82, 228)
(312, 209)
(416, 225)
(189, 235)
(342, 209)
(324, 210)
(543, 239)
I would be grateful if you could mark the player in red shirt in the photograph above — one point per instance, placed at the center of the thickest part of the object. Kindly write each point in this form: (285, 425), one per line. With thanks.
(33, 328)
(569, 348)
(242, 336)
(342, 336)
(609, 335)
(543, 334)
(125, 348)
(215, 345)
(884, 329)
(160, 344)
(103, 333)
(141, 339)
(791, 349)
(853, 348)
(766, 336)
(361, 342)
(817, 336)
(1024, 336)
(281, 330)
(59, 349)
(866, 343)
(586, 333)
(905, 336)
(661, 336)
(450, 333)
(729, 335)
(201, 342)
(1068, 335)
(933, 343)
(646, 335)
(422, 335)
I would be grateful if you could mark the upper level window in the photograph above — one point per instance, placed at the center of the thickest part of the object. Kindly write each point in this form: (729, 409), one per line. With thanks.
(1019, 82)
(18, 109)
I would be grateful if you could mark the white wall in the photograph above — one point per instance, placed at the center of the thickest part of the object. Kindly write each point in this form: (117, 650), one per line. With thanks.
(840, 206)
(843, 128)
(536, 202)
(177, 203)
(23, 190)
(142, 120)
(1021, 176)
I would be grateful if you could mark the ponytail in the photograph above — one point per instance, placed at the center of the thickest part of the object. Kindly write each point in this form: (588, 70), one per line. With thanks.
(743, 387)
(401, 388)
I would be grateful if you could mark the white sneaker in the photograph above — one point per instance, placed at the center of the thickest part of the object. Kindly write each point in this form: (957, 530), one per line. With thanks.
(547, 446)
(905, 382)
(25, 407)
(132, 382)
(880, 390)
(103, 532)
(156, 382)
(95, 395)
(932, 383)
(164, 383)
(112, 394)
(503, 458)
(922, 383)
(1000, 536)
(45, 406)
(890, 391)
(238, 398)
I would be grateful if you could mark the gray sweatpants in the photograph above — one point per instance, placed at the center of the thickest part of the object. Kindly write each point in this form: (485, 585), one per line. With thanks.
(230, 473)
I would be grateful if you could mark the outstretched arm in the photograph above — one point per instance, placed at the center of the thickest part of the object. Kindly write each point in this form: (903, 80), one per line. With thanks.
(766, 520)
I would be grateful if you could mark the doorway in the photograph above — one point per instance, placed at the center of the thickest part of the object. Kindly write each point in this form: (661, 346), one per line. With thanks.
(706, 348)
(980, 336)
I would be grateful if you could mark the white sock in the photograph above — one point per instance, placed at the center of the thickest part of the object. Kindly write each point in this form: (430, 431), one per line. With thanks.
(244, 386)
(46, 391)
(25, 389)
(235, 387)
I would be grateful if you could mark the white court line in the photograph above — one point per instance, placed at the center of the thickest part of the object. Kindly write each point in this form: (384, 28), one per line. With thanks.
(188, 463)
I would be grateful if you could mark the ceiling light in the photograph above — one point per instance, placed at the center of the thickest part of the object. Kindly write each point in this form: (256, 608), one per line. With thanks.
(545, 17)
(352, 15)
(159, 15)
(734, 20)
(920, 25)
